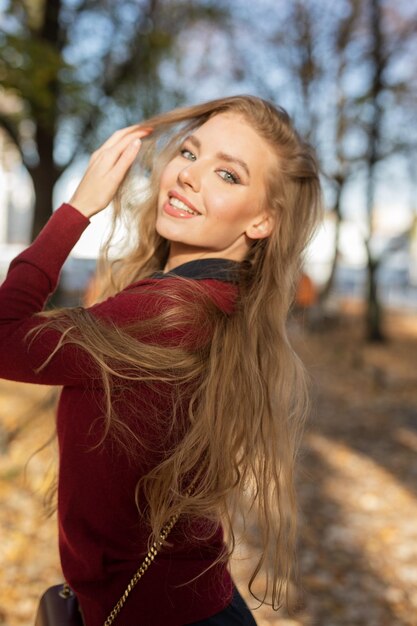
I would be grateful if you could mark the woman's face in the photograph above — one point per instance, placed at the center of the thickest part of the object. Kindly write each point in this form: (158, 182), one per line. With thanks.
(212, 194)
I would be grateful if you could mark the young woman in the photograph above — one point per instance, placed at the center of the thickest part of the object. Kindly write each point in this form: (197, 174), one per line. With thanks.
(181, 392)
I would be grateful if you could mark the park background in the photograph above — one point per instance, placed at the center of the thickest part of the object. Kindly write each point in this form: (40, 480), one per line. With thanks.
(72, 72)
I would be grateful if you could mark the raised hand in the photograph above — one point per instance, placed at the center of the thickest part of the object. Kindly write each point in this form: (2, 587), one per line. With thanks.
(106, 169)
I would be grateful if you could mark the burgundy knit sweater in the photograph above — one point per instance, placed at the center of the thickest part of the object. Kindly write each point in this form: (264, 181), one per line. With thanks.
(101, 537)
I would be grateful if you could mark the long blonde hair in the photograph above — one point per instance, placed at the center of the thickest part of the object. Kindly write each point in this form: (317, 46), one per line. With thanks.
(243, 389)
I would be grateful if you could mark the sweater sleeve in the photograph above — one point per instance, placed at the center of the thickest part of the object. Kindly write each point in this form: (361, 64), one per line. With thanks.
(32, 277)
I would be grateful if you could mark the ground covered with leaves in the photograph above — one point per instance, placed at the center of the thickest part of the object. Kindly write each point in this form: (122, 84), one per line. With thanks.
(357, 486)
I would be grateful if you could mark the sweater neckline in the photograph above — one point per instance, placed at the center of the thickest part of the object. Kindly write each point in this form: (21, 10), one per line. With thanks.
(215, 268)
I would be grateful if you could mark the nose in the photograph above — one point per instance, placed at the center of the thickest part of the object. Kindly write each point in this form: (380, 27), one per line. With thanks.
(189, 176)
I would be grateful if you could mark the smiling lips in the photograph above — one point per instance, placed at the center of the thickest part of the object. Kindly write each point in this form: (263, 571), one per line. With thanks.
(179, 207)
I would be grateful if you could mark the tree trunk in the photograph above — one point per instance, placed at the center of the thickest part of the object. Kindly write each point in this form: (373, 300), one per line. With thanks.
(325, 292)
(44, 176)
(43, 184)
(46, 173)
(374, 309)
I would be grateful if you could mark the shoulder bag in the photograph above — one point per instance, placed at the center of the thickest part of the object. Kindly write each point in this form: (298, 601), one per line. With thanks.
(59, 606)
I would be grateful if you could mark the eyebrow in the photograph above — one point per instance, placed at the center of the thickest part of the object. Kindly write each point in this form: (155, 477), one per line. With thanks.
(220, 155)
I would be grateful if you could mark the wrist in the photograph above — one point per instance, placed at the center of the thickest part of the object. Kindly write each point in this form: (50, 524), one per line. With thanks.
(88, 212)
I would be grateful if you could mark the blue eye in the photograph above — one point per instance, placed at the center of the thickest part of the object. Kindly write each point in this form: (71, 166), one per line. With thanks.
(187, 154)
(229, 177)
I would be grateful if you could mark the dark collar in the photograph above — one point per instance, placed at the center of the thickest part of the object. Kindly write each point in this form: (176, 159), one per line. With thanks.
(217, 269)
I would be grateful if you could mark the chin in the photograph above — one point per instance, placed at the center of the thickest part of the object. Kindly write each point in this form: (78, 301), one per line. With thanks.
(168, 231)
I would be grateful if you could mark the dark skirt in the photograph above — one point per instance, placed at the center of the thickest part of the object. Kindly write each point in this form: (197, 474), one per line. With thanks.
(236, 614)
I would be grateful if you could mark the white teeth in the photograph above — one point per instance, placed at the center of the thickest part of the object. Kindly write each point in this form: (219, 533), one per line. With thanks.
(179, 204)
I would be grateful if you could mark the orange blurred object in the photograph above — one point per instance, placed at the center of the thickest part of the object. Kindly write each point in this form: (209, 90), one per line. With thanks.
(306, 295)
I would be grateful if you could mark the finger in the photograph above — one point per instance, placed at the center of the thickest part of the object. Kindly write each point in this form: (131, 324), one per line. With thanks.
(117, 142)
(109, 156)
(125, 160)
(142, 131)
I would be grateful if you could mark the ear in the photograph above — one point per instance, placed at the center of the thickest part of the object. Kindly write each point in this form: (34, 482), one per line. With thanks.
(261, 228)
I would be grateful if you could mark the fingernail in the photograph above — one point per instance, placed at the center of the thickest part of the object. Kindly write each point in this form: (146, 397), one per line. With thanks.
(136, 143)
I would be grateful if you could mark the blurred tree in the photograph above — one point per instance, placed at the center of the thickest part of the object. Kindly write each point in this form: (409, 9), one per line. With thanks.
(73, 67)
(386, 97)
(346, 72)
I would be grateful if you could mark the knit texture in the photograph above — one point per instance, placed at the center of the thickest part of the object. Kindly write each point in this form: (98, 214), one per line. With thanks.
(101, 537)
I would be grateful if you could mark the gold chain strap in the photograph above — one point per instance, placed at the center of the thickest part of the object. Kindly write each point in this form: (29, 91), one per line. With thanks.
(156, 546)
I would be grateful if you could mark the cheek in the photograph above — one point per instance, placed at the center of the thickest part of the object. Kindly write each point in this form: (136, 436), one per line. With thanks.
(168, 176)
(231, 210)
